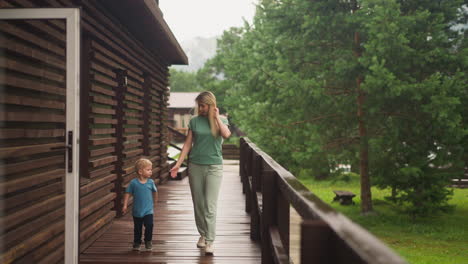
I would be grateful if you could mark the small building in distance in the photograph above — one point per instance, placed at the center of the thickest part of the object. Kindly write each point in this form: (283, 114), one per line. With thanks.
(181, 109)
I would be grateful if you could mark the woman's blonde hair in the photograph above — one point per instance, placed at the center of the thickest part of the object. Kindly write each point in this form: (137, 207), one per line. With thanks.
(209, 99)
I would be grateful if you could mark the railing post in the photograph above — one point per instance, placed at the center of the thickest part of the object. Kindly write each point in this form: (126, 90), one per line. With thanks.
(248, 189)
(242, 146)
(255, 210)
(320, 244)
(268, 217)
(316, 236)
(256, 172)
(283, 220)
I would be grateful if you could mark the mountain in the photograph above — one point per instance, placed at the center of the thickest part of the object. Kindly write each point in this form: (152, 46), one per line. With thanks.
(198, 51)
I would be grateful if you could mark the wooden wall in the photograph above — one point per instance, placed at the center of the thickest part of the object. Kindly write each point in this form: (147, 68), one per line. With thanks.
(123, 108)
(32, 126)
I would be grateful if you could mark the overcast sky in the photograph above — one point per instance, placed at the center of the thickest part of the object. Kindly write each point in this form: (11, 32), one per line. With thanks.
(205, 18)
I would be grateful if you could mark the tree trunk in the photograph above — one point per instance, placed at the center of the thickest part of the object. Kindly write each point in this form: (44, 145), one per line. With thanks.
(394, 194)
(366, 196)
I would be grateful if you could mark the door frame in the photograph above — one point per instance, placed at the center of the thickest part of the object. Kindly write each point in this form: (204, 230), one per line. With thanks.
(72, 18)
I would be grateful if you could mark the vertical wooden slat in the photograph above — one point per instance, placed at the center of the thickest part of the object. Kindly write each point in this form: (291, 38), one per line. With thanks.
(255, 210)
(249, 161)
(248, 177)
(120, 94)
(268, 218)
(316, 236)
(241, 162)
(84, 106)
(256, 172)
(248, 191)
(243, 165)
(283, 220)
(146, 113)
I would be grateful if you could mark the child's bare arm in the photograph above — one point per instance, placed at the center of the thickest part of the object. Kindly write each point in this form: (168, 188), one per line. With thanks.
(125, 202)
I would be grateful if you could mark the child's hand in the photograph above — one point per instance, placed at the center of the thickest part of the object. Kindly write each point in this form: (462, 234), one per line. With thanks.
(174, 171)
(124, 209)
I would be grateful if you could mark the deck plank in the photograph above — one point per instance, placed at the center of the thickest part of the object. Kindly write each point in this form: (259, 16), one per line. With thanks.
(175, 235)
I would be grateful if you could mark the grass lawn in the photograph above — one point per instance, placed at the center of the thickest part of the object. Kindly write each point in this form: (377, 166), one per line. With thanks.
(437, 239)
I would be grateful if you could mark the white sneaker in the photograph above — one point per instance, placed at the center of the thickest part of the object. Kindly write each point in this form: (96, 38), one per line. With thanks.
(201, 242)
(209, 249)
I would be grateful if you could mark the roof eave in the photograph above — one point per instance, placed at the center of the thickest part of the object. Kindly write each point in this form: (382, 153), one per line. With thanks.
(145, 21)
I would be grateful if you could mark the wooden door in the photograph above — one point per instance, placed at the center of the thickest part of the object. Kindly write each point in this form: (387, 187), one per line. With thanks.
(38, 136)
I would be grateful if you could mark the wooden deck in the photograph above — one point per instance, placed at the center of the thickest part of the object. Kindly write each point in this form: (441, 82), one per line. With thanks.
(175, 235)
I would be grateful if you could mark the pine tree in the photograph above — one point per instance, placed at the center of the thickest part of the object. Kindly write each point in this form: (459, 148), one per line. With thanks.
(380, 82)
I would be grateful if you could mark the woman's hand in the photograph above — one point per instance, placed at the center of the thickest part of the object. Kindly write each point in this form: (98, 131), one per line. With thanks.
(124, 209)
(174, 171)
(216, 112)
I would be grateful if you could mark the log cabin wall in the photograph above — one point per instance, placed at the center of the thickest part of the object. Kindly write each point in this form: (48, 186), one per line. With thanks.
(123, 108)
(32, 118)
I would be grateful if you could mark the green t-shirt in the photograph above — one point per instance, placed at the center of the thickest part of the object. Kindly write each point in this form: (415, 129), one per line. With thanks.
(206, 149)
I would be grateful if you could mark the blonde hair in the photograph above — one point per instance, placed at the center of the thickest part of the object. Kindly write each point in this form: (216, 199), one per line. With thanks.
(141, 163)
(209, 99)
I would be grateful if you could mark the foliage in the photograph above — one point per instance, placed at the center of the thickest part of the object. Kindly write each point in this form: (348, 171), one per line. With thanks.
(418, 78)
(291, 81)
(181, 81)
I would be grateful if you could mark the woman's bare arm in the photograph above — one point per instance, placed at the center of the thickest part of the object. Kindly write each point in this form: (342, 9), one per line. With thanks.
(185, 150)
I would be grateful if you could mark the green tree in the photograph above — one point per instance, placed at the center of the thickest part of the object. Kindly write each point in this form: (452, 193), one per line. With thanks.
(416, 82)
(380, 82)
(181, 81)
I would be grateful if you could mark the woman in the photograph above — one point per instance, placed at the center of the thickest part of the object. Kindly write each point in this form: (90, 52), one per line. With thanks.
(206, 131)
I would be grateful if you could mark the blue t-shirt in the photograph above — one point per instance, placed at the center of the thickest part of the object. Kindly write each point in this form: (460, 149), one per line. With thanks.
(142, 197)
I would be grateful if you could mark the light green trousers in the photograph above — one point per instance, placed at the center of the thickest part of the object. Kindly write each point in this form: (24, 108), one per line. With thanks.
(205, 181)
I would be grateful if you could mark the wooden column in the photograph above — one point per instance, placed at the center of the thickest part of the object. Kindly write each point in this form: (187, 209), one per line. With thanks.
(119, 116)
(146, 113)
(248, 175)
(316, 236)
(242, 162)
(84, 106)
(256, 172)
(283, 219)
(268, 218)
(255, 211)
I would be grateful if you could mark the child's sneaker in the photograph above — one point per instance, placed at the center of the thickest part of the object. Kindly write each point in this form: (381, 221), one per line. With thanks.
(136, 246)
(209, 249)
(148, 245)
(201, 242)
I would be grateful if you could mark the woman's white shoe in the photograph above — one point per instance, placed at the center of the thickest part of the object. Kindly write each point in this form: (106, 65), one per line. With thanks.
(209, 249)
(201, 242)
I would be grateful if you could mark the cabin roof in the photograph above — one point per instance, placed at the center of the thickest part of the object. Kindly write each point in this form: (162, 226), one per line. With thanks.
(145, 21)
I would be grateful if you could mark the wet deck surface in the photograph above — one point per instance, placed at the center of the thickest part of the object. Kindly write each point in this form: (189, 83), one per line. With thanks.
(175, 234)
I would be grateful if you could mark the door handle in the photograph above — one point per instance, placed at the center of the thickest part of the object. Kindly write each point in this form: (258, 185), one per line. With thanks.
(70, 151)
(69, 148)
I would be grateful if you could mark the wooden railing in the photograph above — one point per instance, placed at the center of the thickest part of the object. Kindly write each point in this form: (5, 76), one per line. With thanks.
(326, 235)
(175, 135)
(230, 152)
